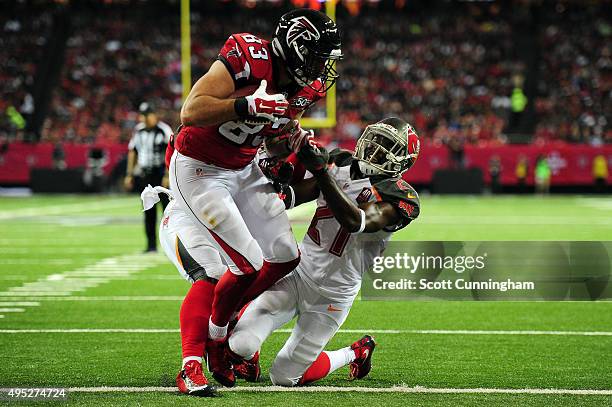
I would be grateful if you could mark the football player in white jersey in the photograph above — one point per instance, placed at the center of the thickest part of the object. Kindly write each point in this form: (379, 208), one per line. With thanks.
(362, 199)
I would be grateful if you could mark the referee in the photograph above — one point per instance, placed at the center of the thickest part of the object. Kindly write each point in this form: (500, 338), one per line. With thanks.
(145, 164)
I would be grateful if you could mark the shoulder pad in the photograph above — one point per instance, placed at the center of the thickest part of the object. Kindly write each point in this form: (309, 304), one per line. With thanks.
(247, 58)
(400, 194)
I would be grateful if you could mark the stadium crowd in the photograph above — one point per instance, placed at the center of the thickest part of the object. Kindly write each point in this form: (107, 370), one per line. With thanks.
(450, 74)
(575, 87)
(23, 37)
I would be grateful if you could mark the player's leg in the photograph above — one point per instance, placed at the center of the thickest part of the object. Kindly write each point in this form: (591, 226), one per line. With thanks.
(316, 324)
(268, 312)
(358, 357)
(199, 263)
(265, 215)
(205, 192)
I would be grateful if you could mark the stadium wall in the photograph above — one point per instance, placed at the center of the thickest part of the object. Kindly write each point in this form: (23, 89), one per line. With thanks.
(571, 164)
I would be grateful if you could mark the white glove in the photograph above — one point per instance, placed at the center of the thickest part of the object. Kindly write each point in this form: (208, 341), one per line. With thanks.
(299, 137)
(150, 196)
(261, 104)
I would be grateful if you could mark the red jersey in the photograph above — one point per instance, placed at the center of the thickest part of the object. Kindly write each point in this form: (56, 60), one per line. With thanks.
(234, 144)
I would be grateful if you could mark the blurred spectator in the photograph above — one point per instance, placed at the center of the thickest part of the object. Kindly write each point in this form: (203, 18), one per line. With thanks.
(495, 169)
(521, 171)
(456, 150)
(600, 173)
(59, 156)
(542, 175)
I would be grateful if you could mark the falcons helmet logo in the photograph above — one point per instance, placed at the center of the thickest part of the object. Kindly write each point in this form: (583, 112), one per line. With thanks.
(301, 27)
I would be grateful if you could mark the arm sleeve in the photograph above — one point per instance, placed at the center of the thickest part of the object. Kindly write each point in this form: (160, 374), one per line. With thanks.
(402, 196)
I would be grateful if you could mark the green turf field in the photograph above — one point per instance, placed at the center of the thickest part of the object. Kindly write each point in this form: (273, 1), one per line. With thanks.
(118, 327)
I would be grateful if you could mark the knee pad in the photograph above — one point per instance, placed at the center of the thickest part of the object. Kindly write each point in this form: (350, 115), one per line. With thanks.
(210, 207)
(284, 248)
(244, 344)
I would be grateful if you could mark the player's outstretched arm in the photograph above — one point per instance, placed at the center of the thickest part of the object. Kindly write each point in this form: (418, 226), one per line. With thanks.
(368, 217)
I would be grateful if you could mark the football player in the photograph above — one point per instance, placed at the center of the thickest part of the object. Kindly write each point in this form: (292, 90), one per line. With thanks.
(361, 201)
(198, 261)
(213, 174)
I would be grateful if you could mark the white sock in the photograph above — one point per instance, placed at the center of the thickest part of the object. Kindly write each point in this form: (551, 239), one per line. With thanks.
(188, 358)
(339, 358)
(216, 332)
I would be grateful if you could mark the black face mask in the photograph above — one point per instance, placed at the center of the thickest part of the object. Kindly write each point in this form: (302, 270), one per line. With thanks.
(323, 68)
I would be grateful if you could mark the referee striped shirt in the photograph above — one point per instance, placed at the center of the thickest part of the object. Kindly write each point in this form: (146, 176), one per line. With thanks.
(150, 144)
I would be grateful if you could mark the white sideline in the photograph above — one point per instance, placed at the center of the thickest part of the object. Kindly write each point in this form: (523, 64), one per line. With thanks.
(341, 331)
(334, 389)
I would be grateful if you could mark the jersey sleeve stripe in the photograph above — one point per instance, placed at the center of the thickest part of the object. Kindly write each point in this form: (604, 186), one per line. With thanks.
(376, 194)
(228, 66)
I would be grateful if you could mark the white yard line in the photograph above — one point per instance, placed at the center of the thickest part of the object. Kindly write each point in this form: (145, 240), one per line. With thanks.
(8, 310)
(336, 389)
(68, 282)
(65, 209)
(20, 304)
(341, 331)
(46, 262)
(59, 250)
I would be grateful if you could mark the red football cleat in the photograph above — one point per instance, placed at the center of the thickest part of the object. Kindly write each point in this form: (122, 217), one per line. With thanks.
(191, 380)
(248, 370)
(218, 363)
(361, 366)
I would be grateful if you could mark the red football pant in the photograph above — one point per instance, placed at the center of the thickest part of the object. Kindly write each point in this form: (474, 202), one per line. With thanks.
(194, 316)
(228, 294)
(269, 274)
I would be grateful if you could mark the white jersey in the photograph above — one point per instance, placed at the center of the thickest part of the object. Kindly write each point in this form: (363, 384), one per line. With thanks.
(333, 260)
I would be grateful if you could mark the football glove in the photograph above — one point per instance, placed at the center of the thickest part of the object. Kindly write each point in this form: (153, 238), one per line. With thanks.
(299, 137)
(261, 104)
(277, 171)
(314, 157)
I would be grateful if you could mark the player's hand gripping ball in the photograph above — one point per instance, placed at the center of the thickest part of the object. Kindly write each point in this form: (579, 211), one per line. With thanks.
(289, 138)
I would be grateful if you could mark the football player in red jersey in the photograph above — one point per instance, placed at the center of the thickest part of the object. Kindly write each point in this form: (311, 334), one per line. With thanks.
(213, 173)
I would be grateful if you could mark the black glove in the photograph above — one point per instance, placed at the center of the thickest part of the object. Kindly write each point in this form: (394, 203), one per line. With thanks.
(314, 158)
(277, 171)
(340, 157)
